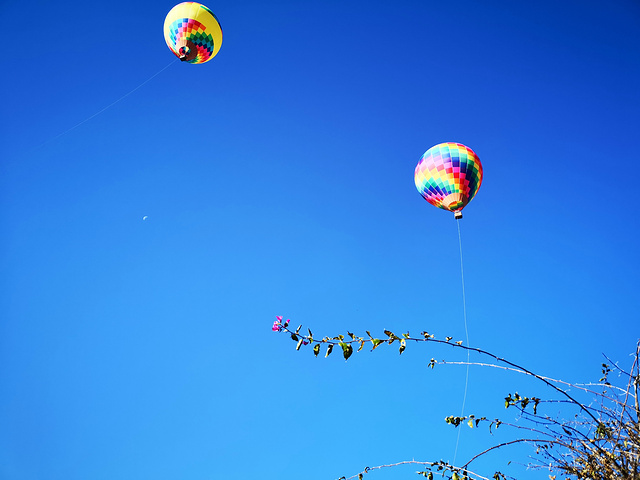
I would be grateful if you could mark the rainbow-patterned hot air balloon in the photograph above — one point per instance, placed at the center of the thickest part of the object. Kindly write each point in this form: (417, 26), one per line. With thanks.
(448, 176)
(192, 32)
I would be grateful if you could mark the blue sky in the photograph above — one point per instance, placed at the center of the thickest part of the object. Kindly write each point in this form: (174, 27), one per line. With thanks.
(278, 180)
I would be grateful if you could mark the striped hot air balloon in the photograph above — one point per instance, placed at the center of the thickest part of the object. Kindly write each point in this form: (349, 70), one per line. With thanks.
(192, 32)
(448, 176)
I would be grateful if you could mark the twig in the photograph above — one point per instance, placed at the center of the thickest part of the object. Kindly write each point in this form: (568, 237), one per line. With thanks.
(413, 462)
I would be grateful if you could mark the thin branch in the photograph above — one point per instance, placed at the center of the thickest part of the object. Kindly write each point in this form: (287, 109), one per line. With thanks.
(600, 443)
(616, 366)
(429, 338)
(591, 384)
(519, 440)
(579, 386)
(414, 462)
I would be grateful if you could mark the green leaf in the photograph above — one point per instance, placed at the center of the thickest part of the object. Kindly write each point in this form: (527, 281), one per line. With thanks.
(294, 337)
(403, 345)
(316, 349)
(388, 333)
(361, 345)
(376, 342)
(430, 476)
(602, 431)
(347, 350)
(329, 350)
(536, 401)
(455, 421)
(496, 422)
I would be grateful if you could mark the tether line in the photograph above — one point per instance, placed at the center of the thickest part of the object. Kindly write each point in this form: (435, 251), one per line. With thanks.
(466, 331)
(110, 105)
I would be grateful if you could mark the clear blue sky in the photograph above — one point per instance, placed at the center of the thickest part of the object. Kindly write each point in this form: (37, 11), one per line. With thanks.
(278, 180)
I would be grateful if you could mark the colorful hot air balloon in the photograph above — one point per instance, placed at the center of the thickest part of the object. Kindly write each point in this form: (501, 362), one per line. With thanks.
(448, 176)
(192, 32)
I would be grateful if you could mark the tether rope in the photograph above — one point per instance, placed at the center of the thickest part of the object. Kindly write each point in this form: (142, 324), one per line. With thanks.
(466, 331)
(110, 105)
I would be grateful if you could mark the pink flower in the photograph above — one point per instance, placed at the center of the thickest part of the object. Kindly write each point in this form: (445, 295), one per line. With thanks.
(277, 325)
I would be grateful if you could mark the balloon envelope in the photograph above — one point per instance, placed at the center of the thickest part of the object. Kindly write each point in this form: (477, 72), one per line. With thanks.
(192, 32)
(448, 176)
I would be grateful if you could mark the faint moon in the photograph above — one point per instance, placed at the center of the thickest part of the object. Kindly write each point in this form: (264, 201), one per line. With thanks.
(145, 217)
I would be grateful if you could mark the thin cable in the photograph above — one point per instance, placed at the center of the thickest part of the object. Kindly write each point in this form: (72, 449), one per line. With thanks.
(111, 104)
(466, 331)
